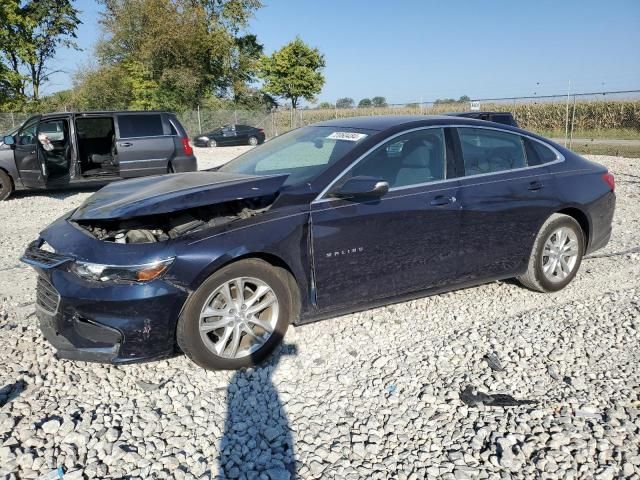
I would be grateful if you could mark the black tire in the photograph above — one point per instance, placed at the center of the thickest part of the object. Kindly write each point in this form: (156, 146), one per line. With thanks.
(212, 143)
(534, 278)
(188, 334)
(6, 185)
(253, 141)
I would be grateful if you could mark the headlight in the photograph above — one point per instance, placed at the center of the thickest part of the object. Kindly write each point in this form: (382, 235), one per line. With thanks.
(121, 273)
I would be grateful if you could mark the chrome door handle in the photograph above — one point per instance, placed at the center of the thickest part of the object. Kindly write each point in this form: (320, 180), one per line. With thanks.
(442, 200)
(124, 144)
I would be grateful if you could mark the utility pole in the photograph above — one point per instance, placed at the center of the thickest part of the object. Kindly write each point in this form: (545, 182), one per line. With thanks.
(566, 123)
(199, 122)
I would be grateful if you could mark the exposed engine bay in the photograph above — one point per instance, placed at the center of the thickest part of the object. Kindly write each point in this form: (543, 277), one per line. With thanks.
(160, 228)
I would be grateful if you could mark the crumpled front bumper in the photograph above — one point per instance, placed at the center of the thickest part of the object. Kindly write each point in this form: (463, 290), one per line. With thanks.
(107, 324)
(103, 322)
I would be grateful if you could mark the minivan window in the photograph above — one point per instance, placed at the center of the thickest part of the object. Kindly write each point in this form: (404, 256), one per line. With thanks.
(537, 153)
(27, 135)
(490, 151)
(411, 159)
(132, 126)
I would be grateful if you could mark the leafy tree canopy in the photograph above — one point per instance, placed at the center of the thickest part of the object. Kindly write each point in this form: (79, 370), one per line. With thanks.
(293, 72)
(365, 103)
(345, 102)
(30, 34)
(379, 101)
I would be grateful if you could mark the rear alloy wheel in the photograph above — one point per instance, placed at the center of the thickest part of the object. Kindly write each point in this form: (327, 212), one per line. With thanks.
(237, 316)
(212, 143)
(253, 141)
(556, 256)
(6, 185)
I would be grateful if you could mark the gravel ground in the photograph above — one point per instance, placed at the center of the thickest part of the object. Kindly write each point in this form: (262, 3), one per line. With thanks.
(378, 394)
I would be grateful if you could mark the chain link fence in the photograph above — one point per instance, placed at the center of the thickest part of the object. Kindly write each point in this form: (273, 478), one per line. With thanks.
(578, 116)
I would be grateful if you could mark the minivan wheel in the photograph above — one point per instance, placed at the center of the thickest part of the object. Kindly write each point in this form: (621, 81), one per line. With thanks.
(237, 316)
(6, 185)
(556, 255)
(253, 141)
(212, 143)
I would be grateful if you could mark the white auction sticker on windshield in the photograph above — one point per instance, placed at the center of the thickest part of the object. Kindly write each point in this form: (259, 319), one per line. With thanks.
(348, 136)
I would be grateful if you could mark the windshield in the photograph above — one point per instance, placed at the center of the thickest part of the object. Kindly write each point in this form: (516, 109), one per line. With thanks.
(302, 153)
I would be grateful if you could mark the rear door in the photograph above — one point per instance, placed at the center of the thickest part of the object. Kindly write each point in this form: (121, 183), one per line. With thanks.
(144, 144)
(29, 159)
(505, 197)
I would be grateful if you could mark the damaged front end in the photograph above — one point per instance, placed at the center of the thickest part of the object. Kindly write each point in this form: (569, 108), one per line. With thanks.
(162, 227)
(144, 211)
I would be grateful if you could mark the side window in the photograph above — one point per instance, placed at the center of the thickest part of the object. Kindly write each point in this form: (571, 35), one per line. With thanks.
(537, 153)
(410, 159)
(489, 151)
(27, 135)
(132, 126)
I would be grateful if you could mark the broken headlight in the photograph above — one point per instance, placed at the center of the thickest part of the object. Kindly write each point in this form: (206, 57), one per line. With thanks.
(121, 273)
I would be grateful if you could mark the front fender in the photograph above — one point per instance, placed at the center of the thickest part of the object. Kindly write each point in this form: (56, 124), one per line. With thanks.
(284, 238)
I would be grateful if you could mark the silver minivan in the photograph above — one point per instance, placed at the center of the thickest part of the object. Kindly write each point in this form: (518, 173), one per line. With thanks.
(58, 150)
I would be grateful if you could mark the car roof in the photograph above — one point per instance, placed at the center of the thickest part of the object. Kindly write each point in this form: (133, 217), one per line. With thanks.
(384, 122)
(104, 112)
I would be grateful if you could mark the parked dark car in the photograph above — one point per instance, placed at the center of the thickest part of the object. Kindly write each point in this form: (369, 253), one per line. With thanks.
(231, 135)
(60, 150)
(506, 118)
(327, 219)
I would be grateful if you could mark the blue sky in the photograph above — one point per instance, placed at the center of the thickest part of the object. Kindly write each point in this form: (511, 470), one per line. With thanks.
(412, 49)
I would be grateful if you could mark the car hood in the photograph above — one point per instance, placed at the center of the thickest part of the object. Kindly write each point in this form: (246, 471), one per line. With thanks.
(170, 193)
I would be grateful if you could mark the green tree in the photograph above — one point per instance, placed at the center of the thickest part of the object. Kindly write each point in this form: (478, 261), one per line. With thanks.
(365, 103)
(326, 105)
(464, 99)
(345, 102)
(210, 57)
(293, 72)
(441, 101)
(30, 35)
(379, 101)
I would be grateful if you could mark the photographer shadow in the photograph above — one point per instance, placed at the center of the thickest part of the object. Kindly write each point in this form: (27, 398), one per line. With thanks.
(257, 440)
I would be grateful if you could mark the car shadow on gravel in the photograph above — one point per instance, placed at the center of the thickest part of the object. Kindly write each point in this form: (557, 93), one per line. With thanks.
(257, 439)
(11, 392)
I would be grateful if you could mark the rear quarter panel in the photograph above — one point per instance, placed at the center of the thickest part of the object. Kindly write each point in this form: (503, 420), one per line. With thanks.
(580, 185)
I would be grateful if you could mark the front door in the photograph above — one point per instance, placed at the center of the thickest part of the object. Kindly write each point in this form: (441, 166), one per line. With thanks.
(30, 161)
(144, 144)
(403, 242)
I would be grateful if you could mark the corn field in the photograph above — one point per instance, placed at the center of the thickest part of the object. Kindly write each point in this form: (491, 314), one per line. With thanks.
(537, 117)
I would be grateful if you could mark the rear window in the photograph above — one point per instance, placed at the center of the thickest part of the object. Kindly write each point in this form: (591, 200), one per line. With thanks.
(490, 151)
(537, 153)
(132, 126)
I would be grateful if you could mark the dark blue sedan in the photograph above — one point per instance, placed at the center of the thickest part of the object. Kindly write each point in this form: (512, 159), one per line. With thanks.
(328, 219)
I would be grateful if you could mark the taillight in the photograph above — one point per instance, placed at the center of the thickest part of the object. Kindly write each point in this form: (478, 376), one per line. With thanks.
(609, 180)
(188, 150)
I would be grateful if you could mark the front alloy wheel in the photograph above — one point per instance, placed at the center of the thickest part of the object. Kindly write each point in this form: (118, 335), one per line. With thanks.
(253, 141)
(238, 315)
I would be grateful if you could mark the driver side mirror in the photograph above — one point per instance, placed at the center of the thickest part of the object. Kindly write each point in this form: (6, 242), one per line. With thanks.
(362, 187)
(9, 140)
